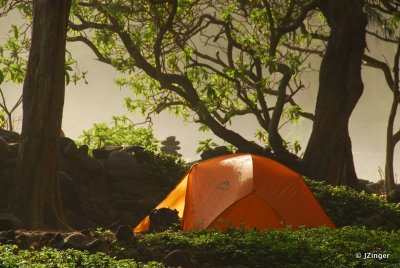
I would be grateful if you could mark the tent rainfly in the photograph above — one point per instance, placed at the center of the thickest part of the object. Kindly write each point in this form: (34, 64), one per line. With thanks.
(243, 190)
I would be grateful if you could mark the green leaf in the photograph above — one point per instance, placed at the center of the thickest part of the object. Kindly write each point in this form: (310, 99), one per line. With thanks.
(210, 92)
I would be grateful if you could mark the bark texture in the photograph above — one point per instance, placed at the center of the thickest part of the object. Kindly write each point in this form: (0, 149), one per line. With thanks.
(36, 200)
(329, 154)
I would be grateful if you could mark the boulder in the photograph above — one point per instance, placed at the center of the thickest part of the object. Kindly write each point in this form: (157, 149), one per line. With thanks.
(88, 164)
(70, 150)
(155, 252)
(69, 166)
(133, 149)
(94, 245)
(363, 181)
(121, 160)
(178, 258)
(163, 219)
(69, 195)
(362, 185)
(10, 136)
(376, 187)
(104, 152)
(121, 166)
(3, 240)
(143, 156)
(75, 241)
(83, 150)
(22, 241)
(124, 234)
(6, 224)
(63, 141)
(56, 240)
(10, 234)
(394, 196)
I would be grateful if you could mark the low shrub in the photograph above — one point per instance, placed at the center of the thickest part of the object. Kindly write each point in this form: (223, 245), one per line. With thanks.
(169, 168)
(12, 256)
(320, 247)
(348, 207)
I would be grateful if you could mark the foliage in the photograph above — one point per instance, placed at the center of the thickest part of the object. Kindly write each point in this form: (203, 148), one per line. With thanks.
(166, 167)
(348, 207)
(13, 54)
(206, 145)
(293, 147)
(3, 119)
(121, 131)
(13, 62)
(12, 256)
(248, 71)
(318, 247)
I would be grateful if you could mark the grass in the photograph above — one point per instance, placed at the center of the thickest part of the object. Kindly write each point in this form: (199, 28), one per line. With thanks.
(350, 245)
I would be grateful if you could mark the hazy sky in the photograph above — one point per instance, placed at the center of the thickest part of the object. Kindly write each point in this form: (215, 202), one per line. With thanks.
(101, 99)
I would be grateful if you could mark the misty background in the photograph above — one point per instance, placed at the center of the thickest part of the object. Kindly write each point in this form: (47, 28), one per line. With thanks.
(101, 99)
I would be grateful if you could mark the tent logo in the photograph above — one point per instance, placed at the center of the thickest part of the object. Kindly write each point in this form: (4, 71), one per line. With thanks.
(223, 186)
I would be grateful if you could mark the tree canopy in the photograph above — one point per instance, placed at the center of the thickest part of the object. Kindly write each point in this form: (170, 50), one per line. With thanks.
(207, 61)
(212, 61)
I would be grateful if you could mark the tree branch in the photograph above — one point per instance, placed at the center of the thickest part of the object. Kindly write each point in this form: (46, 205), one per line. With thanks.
(386, 39)
(163, 30)
(372, 62)
(92, 46)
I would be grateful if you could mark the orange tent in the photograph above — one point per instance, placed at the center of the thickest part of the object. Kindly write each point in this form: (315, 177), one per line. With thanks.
(242, 190)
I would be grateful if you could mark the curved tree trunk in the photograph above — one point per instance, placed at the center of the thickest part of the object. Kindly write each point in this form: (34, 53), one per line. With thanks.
(36, 199)
(328, 155)
(392, 138)
(390, 147)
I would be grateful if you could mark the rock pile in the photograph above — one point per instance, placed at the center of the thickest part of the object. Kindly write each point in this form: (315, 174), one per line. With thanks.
(109, 189)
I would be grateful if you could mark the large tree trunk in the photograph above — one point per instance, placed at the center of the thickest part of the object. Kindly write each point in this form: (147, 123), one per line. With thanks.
(328, 155)
(36, 200)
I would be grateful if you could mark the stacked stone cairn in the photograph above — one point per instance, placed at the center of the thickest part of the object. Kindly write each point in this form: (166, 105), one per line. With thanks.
(170, 146)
